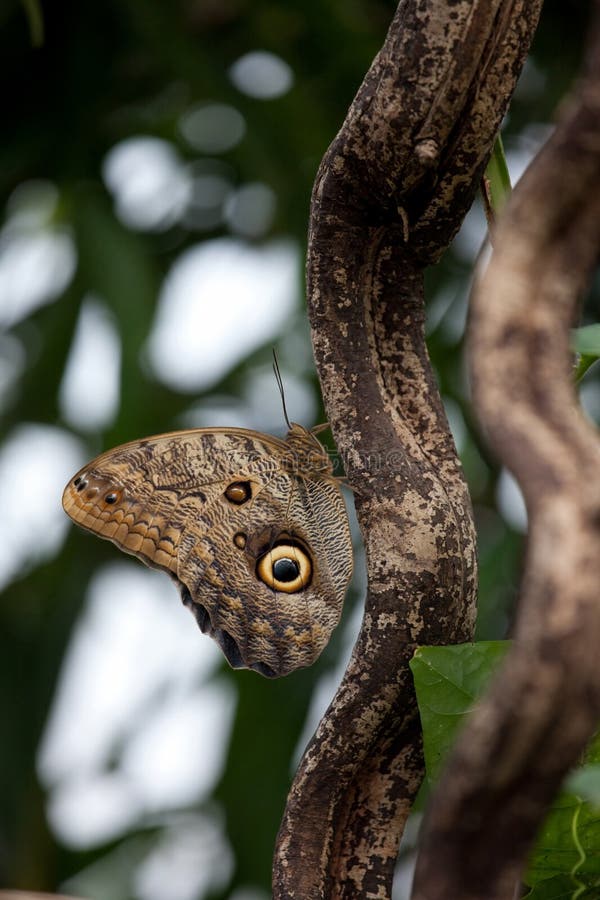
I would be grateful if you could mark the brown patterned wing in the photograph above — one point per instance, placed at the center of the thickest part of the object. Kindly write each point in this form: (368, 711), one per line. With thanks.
(259, 547)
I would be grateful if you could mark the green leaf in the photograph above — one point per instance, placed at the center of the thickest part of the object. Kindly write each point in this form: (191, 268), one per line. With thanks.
(586, 340)
(583, 364)
(585, 783)
(566, 859)
(448, 681)
(568, 846)
(498, 179)
(562, 888)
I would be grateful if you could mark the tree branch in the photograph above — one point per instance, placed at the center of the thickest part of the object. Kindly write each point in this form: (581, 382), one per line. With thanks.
(545, 703)
(390, 194)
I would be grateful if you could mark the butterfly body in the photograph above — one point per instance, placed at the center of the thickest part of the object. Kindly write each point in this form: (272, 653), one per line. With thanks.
(252, 528)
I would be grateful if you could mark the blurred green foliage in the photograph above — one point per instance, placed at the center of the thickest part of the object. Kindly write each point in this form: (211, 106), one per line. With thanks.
(108, 72)
(565, 861)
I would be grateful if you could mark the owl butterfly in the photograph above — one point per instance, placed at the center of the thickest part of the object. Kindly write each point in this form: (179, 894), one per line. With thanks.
(252, 528)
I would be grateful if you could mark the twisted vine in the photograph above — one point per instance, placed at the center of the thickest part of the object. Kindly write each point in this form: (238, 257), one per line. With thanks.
(545, 703)
(390, 194)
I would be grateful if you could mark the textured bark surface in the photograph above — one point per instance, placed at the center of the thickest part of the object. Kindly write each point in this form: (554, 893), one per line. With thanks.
(545, 703)
(391, 192)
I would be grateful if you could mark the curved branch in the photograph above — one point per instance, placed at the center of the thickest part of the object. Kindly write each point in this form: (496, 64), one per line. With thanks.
(391, 192)
(545, 703)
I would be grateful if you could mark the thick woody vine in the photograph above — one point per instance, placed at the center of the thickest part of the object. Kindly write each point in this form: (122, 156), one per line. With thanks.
(390, 194)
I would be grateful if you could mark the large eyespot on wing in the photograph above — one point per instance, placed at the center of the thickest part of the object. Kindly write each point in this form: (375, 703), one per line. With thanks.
(285, 567)
(247, 584)
(318, 523)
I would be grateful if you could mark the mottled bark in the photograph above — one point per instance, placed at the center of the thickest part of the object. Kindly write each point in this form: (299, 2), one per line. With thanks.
(545, 702)
(390, 194)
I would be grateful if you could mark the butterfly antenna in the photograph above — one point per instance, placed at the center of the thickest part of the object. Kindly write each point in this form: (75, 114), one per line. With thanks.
(279, 381)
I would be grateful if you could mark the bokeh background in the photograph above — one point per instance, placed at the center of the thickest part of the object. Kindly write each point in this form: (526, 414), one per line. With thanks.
(156, 164)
